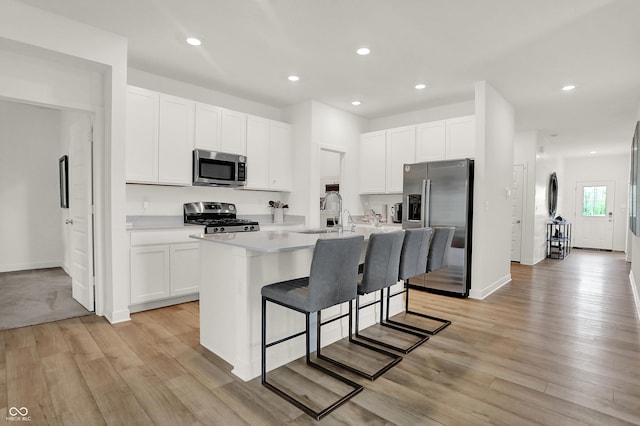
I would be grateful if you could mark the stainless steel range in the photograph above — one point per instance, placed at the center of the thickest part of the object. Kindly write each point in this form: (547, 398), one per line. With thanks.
(217, 217)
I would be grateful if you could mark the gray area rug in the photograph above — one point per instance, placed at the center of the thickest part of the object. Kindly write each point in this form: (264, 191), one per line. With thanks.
(35, 297)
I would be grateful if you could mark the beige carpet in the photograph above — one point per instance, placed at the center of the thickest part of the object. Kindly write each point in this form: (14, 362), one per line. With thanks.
(35, 297)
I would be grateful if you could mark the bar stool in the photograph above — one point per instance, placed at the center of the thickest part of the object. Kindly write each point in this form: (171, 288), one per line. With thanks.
(420, 255)
(331, 281)
(380, 271)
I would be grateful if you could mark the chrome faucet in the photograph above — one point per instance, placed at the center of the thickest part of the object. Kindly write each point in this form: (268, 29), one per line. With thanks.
(376, 222)
(353, 224)
(324, 206)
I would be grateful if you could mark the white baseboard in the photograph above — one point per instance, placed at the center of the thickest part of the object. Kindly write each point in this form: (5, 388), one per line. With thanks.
(485, 292)
(116, 317)
(30, 265)
(636, 293)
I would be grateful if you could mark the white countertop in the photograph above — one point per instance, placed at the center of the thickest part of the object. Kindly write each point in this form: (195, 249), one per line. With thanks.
(279, 241)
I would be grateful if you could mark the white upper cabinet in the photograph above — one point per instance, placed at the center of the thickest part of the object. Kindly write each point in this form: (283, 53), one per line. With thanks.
(280, 166)
(382, 156)
(142, 135)
(372, 163)
(175, 140)
(461, 141)
(233, 132)
(268, 155)
(401, 148)
(159, 138)
(431, 141)
(383, 153)
(257, 153)
(207, 131)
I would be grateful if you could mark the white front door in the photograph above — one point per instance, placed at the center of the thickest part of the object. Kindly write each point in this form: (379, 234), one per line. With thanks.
(517, 189)
(593, 218)
(80, 209)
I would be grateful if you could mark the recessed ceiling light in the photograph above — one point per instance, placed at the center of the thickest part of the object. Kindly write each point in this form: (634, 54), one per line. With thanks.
(355, 103)
(363, 51)
(293, 78)
(568, 87)
(593, 152)
(420, 86)
(194, 41)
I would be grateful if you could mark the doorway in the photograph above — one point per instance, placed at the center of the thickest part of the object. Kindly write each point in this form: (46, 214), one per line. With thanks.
(330, 168)
(593, 216)
(39, 266)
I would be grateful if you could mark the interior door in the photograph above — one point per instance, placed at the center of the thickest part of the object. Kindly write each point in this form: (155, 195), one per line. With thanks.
(80, 209)
(593, 220)
(517, 189)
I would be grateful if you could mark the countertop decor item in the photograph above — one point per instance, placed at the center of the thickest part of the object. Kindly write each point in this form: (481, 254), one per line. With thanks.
(278, 210)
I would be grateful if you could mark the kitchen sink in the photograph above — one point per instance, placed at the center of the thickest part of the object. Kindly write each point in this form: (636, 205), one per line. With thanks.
(314, 231)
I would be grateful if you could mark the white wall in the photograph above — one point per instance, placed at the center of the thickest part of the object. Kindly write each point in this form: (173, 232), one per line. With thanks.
(41, 35)
(168, 200)
(608, 168)
(634, 243)
(491, 254)
(545, 166)
(314, 125)
(30, 213)
(422, 116)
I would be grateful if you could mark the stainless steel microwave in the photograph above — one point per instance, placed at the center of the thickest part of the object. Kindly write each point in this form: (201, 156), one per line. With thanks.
(218, 169)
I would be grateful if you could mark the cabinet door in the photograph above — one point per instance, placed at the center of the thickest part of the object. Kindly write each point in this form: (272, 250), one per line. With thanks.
(142, 135)
(175, 140)
(207, 132)
(149, 273)
(257, 153)
(280, 168)
(185, 268)
(461, 142)
(233, 132)
(401, 149)
(372, 163)
(431, 141)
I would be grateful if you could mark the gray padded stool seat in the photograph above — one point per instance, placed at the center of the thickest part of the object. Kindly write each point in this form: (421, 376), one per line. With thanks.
(413, 262)
(440, 244)
(380, 271)
(331, 281)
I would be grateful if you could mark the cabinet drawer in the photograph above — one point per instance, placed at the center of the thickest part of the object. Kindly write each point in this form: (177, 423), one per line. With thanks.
(143, 238)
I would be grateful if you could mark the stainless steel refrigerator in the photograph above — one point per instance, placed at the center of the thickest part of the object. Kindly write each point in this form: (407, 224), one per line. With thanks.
(440, 194)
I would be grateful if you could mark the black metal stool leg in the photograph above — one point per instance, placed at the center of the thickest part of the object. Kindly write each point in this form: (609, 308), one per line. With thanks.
(371, 376)
(445, 323)
(310, 411)
(422, 337)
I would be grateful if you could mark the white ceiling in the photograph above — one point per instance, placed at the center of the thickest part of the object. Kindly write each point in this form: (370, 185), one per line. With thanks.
(527, 49)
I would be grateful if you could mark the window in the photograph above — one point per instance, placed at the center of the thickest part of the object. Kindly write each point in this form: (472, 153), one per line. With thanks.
(594, 201)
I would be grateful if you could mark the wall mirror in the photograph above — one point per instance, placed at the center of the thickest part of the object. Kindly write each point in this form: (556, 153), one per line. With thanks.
(552, 196)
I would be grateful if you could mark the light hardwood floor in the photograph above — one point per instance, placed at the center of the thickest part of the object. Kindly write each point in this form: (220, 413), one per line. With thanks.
(558, 345)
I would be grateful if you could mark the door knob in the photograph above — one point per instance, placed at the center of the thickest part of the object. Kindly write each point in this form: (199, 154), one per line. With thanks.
(68, 221)
(518, 221)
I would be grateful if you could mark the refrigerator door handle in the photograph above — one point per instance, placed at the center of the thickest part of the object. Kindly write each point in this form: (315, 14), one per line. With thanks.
(426, 191)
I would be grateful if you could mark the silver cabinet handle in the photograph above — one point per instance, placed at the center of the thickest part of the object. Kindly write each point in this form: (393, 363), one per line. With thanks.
(68, 221)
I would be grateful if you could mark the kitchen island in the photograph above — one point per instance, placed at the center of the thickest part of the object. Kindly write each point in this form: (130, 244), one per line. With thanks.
(234, 267)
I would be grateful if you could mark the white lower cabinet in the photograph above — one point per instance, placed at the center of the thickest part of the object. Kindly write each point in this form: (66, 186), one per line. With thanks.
(185, 268)
(150, 273)
(164, 264)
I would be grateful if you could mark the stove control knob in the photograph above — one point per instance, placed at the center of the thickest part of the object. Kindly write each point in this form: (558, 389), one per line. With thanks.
(215, 229)
(221, 229)
(252, 227)
(246, 228)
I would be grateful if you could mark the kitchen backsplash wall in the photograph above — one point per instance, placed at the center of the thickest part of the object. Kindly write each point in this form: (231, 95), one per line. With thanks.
(379, 203)
(168, 200)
